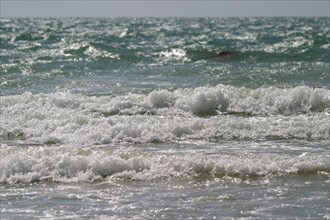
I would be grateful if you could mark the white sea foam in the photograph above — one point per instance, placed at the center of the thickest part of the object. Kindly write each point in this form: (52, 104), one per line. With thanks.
(205, 113)
(72, 164)
(174, 55)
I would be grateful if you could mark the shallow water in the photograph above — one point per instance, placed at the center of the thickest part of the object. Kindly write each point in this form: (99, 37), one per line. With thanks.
(123, 118)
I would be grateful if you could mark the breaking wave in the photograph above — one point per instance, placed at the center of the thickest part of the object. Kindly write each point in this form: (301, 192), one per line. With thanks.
(205, 113)
(65, 164)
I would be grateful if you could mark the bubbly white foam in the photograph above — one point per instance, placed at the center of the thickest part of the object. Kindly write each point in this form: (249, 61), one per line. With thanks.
(174, 55)
(167, 116)
(76, 164)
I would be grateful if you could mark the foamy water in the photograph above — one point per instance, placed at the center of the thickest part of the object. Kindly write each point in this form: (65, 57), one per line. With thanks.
(141, 119)
(203, 113)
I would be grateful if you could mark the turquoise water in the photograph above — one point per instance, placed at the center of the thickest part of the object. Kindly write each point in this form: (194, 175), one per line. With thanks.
(165, 118)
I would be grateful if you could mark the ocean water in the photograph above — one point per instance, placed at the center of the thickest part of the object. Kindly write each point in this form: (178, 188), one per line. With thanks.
(165, 118)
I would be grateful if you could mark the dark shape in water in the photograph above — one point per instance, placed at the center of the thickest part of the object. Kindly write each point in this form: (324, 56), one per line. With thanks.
(225, 55)
(221, 56)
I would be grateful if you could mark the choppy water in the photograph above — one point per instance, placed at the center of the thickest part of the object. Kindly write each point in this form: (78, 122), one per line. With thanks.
(139, 118)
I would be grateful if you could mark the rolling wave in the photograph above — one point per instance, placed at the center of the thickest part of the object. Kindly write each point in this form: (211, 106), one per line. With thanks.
(203, 113)
(65, 164)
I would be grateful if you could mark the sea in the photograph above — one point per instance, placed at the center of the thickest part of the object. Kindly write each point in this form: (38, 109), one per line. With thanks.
(165, 118)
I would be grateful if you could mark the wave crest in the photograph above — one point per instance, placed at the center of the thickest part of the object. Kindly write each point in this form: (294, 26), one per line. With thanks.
(206, 113)
(84, 165)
